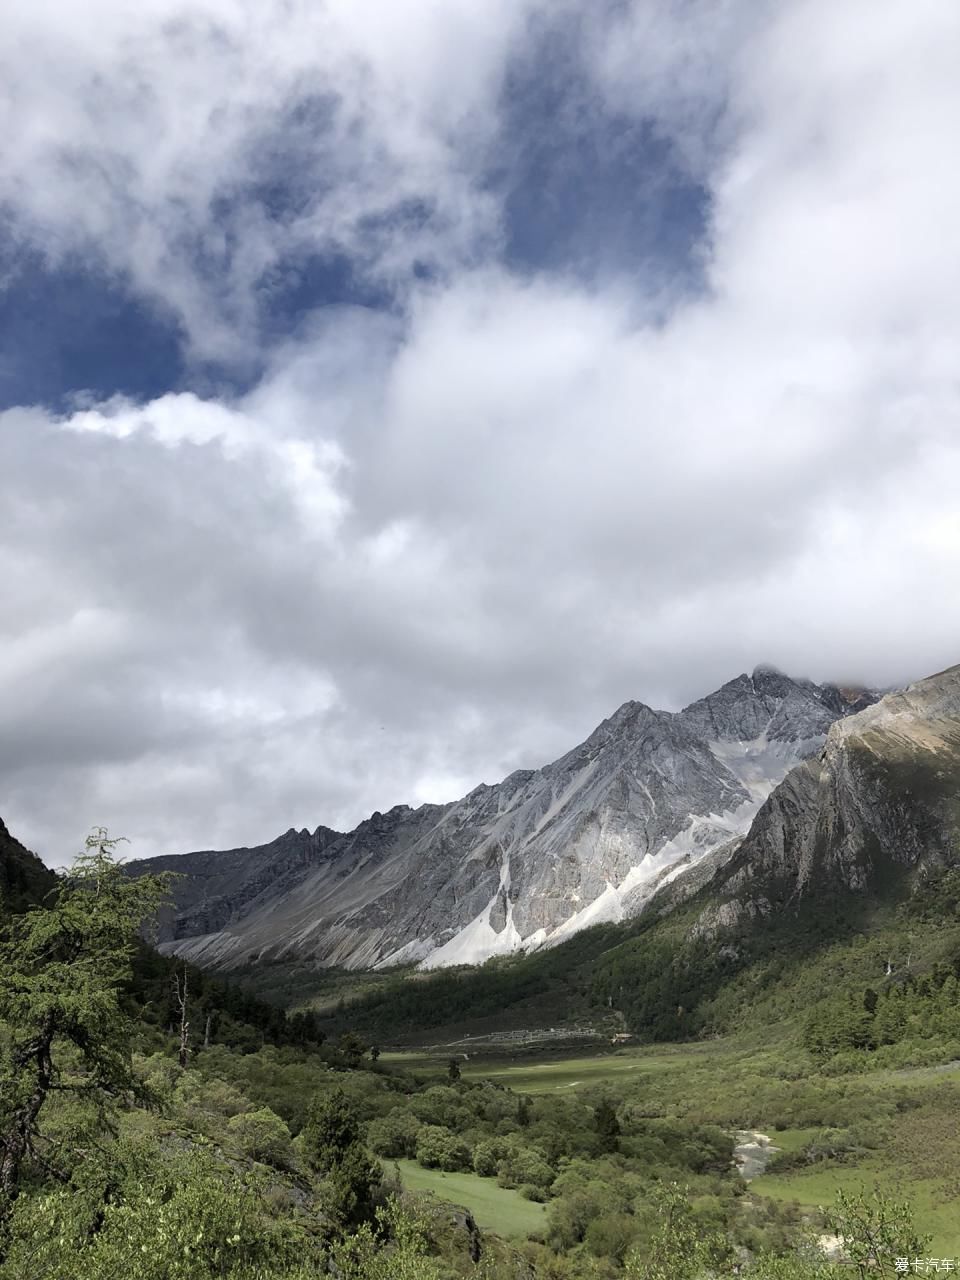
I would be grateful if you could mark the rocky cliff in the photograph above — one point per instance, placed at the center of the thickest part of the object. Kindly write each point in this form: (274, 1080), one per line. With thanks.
(880, 800)
(524, 863)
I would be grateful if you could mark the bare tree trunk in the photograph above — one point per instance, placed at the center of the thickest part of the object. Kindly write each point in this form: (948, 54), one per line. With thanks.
(15, 1140)
(206, 1030)
(180, 991)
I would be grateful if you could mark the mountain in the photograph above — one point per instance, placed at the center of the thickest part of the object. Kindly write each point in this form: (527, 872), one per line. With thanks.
(848, 879)
(24, 880)
(881, 799)
(525, 863)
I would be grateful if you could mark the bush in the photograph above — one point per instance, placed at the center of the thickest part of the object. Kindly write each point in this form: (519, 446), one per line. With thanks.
(395, 1134)
(262, 1135)
(438, 1148)
(524, 1165)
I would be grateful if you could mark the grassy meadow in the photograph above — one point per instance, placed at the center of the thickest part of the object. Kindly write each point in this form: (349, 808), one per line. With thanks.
(897, 1130)
(495, 1208)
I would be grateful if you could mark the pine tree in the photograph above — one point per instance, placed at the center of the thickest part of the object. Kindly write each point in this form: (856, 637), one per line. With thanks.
(333, 1147)
(607, 1124)
(62, 968)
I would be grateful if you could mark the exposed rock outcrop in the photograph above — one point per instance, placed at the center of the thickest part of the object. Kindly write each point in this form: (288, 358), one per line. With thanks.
(525, 863)
(881, 798)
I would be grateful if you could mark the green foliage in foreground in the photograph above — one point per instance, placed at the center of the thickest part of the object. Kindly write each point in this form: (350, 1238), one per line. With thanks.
(61, 971)
(255, 1165)
(149, 1213)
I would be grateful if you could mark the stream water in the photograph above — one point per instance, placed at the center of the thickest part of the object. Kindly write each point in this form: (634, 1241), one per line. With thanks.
(752, 1153)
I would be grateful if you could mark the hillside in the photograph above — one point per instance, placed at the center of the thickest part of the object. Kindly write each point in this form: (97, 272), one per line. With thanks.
(23, 877)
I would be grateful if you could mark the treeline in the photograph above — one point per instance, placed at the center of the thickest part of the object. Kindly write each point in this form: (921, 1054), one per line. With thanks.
(667, 984)
(219, 1012)
(651, 975)
(906, 1009)
(547, 986)
(656, 977)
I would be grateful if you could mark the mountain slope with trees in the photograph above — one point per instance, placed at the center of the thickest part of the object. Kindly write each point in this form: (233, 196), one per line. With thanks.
(859, 842)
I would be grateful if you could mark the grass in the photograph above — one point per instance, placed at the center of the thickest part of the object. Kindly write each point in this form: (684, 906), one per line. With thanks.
(818, 1187)
(534, 1074)
(791, 1139)
(918, 1158)
(494, 1208)
(749, 1082)
(568, 1073)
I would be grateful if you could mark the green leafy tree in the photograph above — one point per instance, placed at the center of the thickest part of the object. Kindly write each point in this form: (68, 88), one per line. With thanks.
(62, 969)
(453, 1070)
(438, 1148)
(352, 1049)
(487, 1155)
(524, 1165)
(394, 1134)
(262, 1136)
(680, 1248)
(875, 1231)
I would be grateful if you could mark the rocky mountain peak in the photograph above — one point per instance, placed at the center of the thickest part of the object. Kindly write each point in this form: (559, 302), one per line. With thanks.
(766, 704)
(879, 801)
(521, 863)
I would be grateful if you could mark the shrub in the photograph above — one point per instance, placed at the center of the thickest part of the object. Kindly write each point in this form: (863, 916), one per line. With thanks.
(438, 1148)
(262, 1135)
(395, 1134)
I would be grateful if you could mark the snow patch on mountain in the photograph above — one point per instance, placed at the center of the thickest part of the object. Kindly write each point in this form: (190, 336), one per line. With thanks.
(762, 763)
(480, 941)
(518, 864)
(759, 764)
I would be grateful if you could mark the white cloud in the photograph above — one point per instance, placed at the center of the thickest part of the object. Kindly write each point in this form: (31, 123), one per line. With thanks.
(154, 135)
(428, 549)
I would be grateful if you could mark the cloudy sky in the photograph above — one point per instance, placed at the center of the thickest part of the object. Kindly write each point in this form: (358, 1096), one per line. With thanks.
(391, 388)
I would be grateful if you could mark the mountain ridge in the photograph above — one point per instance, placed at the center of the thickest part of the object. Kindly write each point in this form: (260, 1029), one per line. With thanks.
(882, 793)
(843, 869)
(522, 863)
(24, 879)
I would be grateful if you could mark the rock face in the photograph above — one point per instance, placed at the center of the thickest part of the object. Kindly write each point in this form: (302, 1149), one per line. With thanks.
(525, 863)
(882, 797)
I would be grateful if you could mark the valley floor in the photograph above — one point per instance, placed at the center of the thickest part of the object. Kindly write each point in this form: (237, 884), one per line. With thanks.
(897, 1130)
(494, 1208)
